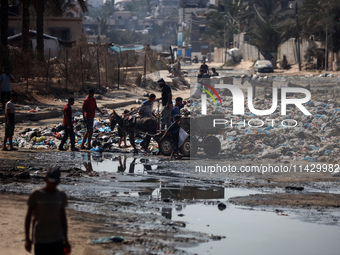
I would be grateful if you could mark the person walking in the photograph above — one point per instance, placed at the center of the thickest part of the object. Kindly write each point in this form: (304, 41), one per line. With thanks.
(166, 103)
(68, 126)
(9, 123)
(6, 88)
(121, 131)
(46, 206)
(89, 111)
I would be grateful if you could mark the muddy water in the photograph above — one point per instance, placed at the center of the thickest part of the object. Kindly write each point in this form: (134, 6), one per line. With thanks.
(155, 186)
(246, 230)
(258, 232)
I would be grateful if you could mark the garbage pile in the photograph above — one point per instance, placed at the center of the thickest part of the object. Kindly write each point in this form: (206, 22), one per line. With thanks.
(49, 137)
(295, 136)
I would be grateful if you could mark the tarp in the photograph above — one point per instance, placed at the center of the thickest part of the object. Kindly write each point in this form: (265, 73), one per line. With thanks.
(119, 49)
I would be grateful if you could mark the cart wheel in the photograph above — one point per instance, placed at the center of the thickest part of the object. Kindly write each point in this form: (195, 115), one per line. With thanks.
(211, 145)
(189, 147)
(165, 146)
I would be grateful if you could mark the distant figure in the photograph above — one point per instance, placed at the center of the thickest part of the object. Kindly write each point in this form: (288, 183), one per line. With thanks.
(204, 67)
(166, 102)
(9, 123)
(47, 207)
(195, 59)
(214, 73)
(146, 110)
(68, 126)
(203, 74)
(121, 132)
(6, 88)
(89, 110)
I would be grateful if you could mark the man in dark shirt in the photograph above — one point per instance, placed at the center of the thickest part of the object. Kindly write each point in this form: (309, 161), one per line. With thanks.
(204, 66)
(46, 206)
(214, 73)
(68, 126)
(202, 74)
(179, 104)
(174, 131)
(166, 103)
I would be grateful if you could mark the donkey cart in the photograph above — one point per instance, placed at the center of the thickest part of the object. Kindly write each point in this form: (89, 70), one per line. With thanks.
(201, 135)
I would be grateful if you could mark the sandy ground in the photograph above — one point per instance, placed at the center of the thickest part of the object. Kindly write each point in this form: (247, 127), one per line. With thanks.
(82, 227)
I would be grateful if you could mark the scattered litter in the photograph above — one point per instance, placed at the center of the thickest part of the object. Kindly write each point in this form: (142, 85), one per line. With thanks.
(110, 239)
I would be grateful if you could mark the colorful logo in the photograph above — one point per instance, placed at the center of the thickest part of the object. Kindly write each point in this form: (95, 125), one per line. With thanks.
(209, 93)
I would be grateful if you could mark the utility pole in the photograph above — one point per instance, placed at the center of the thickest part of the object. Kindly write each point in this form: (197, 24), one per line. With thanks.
(326, 50)
(298, 35)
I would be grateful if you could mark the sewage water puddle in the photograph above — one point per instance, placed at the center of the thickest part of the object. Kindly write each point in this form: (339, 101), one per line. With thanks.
(257, 231)
(111, 163)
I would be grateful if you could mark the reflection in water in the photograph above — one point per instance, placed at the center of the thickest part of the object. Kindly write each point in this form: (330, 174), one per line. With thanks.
(167, 212)
(108, 162)
(87, 162)
(132, 166)
(122, 166)
(192, 193)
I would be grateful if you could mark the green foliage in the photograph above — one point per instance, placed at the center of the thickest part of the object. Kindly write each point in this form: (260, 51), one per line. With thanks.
(264, 21)
(313, 52)
(268, 25)
(222, 25)
(321, 18)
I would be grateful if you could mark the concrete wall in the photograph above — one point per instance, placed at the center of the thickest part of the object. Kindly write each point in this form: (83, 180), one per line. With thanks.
(220, 55)
(289, 49)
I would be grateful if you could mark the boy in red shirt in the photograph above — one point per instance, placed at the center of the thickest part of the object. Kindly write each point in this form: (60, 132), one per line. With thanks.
(68, 126)
(89, 110)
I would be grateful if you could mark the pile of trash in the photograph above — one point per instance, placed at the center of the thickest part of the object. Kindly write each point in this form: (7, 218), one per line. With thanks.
(49, 137)
(295, 136)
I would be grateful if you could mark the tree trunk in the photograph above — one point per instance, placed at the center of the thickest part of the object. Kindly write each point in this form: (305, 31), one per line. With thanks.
(4, 22)
(39, 7)
(25, 25)
(4, 32)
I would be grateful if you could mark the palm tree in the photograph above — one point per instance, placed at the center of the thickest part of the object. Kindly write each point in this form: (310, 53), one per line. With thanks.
(4, 32)
(268, 25)
(222, 22)
(40, 9)
(322, 20)
(108, 8)
(39, 5)
(25, 25)
(4, 22)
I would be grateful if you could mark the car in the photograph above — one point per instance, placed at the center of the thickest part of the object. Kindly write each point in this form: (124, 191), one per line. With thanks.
(263, 66)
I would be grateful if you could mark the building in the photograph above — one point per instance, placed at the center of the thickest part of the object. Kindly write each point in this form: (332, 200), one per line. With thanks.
(95, 3)
(191, 27)
(66, 28)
